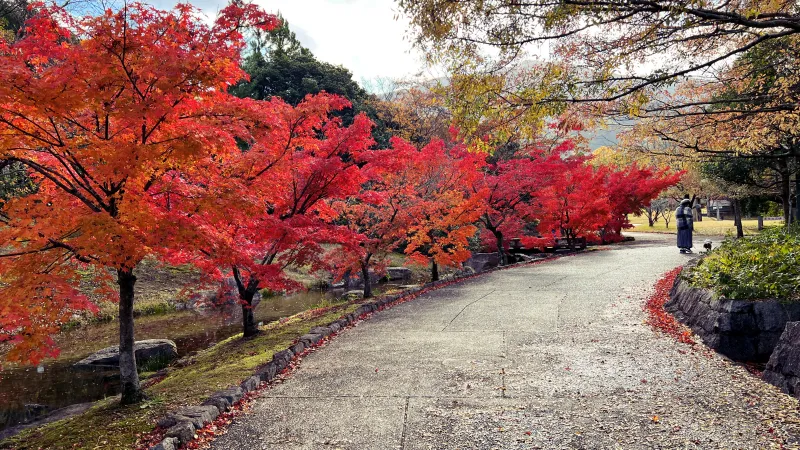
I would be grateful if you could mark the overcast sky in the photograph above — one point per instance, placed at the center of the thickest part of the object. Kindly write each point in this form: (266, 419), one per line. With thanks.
(361, 35)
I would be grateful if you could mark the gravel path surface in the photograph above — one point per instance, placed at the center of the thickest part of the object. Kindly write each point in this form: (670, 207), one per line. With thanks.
(549, 356)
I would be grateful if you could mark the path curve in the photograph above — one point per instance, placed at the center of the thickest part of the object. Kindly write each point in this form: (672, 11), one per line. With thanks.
(549, 356)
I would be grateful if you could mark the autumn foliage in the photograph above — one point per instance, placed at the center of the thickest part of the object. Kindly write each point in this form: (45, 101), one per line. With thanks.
(100, 110)
(136, 148)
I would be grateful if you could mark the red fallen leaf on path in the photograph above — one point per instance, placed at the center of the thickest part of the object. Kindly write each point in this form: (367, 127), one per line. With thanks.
(643, 381)
(659, 318)
(528, 433)
(567, 368)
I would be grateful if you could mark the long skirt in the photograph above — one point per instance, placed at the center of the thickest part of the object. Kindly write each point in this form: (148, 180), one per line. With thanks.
(685, 238)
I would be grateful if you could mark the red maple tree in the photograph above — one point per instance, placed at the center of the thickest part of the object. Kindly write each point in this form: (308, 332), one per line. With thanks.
(266, 208)
(377, 216)
(575, 203)
(630, 189)
(98, 110)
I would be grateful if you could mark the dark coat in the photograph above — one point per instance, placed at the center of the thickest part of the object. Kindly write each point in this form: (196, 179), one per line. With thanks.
(685, 224)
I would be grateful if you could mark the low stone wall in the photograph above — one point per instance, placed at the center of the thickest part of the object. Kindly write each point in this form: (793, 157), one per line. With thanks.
(742, 330)
(783, 368)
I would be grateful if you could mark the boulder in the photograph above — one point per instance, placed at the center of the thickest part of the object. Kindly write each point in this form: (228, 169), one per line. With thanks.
(268, 372)
(220, 402)
(202, 414)
(251, 383)
(183, 432)
(479, 262)
(398, 273)
(147, 350)
(310, 339)
(783, 368)
(167, 444)
(231, 395)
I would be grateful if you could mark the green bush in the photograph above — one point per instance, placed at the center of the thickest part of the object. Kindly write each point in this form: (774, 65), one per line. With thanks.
(758, 267)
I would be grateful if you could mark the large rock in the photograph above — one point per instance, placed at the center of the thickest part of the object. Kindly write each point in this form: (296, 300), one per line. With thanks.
(147, 350)
(398, 273)
(183, 432)
(783, 368)
(743, 330)
(167, 444)
(479, 262)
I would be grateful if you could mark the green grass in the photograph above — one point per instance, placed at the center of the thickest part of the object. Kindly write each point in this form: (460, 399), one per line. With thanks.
(109, 425)
(708, 227)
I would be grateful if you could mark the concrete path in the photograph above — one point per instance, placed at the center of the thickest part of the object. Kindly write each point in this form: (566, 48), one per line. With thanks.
(549, 356)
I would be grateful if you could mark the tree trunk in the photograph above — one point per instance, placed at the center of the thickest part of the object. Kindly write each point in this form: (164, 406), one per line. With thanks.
(365, 277)
(249, 327)
(797, 188)
(649, 211)
(129, 376)
(501, 252)
(786, 189)
(434, 271)
(737, 217)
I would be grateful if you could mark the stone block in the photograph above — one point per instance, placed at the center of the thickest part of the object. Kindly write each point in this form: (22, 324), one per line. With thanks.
(783, 368)
(199, 415)
(183, 432)
(221, 403)
(737, 347)
(324, 331)
(770, 315)
(268, 372)
(171, 419)
(232, 394)
(736, 306)
(310, 339)
(251, 384)
(299, 347)
(167, 444)
(282, 358)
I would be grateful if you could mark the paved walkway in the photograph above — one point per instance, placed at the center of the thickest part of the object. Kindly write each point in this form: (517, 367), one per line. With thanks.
(549, 356)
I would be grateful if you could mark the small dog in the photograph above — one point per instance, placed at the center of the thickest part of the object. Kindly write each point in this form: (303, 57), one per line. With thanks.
(707, 245)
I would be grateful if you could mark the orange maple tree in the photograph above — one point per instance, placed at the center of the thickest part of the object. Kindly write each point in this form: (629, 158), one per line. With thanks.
(99, 110)
(444, 209)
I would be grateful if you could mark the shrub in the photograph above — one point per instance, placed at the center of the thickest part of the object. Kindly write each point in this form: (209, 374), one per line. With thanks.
(757, 267)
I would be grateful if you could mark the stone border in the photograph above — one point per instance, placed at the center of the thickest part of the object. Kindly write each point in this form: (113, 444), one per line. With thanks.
(783, 368)
(182, 423)
(743, 330)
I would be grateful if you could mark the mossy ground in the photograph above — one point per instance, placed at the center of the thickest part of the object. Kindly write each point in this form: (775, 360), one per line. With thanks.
(109, 425)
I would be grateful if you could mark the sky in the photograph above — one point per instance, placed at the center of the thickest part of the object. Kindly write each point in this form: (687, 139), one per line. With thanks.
(361, 35)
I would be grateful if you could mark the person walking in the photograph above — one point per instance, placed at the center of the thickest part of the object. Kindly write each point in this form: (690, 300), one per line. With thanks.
(683, 219)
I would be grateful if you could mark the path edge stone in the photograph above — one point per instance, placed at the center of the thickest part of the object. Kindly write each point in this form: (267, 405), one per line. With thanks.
(221, 401)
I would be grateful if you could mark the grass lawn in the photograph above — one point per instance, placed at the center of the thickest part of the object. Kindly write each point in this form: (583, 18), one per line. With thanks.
(109, 425)
(708, 227)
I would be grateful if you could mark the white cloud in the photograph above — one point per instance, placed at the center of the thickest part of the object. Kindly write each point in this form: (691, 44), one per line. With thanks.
(361, 35)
